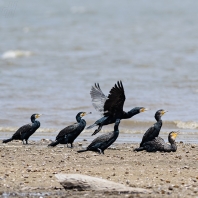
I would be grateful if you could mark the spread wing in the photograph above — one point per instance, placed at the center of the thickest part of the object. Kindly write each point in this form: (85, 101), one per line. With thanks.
(115, 102)
(68, 129)
(23, 129)
(98, 98)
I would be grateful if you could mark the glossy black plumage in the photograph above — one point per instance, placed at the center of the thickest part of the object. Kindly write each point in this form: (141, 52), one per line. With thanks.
(158, 144)
(70, 133)
(110, 107)
(24, 132)
(102, 142)
(153, 131)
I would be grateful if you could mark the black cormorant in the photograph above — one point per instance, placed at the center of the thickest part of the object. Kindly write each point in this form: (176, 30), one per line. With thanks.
(153, 131)
(158, 144)
(104, 141)
(111, 107)
(70, 133)
(24, 132)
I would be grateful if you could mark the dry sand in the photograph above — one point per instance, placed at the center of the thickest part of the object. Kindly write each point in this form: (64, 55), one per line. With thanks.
(29, 170)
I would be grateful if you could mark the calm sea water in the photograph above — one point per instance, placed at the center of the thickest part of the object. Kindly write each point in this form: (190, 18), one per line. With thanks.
(52, 52)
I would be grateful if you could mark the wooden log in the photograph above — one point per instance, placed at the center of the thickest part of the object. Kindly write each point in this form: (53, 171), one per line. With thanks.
(86, 183)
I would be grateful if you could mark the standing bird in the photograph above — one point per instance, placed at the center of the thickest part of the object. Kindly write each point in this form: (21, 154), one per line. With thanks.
(102, 142)
(24, 132)
(153, 131)
(111, 107)
(70, 133)
(158, 144)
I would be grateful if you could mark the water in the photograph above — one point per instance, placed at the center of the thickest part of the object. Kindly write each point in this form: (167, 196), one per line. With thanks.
(53, 52)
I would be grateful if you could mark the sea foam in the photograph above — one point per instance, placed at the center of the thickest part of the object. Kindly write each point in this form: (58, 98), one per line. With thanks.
(15, 54)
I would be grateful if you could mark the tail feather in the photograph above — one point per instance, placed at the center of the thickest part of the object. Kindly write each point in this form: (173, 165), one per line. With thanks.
(91, 126)
(54, 143)
(84, 150)
(139, 149)
(8, 140)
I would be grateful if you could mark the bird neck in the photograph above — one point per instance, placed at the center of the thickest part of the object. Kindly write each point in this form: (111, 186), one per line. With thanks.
(36, 124)
(159, 123)
(33, 119)
(116, 127)
(130, 113)
(173, 144)
(158, 117)
(78, 118)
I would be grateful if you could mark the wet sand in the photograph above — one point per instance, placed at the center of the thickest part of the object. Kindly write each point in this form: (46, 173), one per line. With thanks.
(29, 170)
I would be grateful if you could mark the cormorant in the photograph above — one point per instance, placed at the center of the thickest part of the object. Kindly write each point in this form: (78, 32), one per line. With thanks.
(104, 141)
(70, 133)
(158, 144)
(153, 131)
(111, 107)
(24, 132)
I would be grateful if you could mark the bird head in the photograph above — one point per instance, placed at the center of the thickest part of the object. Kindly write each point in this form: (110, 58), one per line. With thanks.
(142, 109)
(137, 110)
(173, 134)
(36, 115)
(160, 113)
(82, 114)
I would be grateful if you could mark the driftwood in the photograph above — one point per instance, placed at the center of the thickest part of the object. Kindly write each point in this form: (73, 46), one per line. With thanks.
(86, 183)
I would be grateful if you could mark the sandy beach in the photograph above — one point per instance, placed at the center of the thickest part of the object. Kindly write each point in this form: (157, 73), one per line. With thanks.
(29, 170)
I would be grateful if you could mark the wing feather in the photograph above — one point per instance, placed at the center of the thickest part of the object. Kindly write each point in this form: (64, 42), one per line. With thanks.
(98, 98)
(147, 134)
(68, 129)
(115, 102)
(22, 130)
(102, 138)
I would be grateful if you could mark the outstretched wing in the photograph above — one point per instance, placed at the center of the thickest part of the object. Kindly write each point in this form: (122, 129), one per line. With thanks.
(115, 102)
(98, 98)
(67, 130)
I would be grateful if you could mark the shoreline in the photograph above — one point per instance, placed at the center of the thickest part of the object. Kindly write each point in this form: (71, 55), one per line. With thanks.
(132, 138)
(30, 169)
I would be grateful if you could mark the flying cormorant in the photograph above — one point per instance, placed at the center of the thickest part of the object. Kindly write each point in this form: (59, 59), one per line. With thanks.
(158, 144)
(70, 133)
(102, 142)
(111, 107)
(153, 131)
(24, 132)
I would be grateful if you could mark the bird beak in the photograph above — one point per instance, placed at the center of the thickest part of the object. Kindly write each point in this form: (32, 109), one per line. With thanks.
(175, 134)
(144, 109)
(85, 113)
(163, 112)
(38, 115)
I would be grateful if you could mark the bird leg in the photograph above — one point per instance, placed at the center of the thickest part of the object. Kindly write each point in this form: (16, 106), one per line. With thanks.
(26, 141)
(100, 151)
(23, 142)
(71, 145)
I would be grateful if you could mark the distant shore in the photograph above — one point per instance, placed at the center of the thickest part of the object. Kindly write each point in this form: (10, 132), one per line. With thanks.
(29, 169)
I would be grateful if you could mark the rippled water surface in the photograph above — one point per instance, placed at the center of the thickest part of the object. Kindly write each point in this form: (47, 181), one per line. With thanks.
(51, 53)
